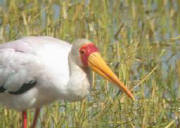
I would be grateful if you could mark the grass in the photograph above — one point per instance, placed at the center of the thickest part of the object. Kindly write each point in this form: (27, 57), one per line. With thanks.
(139, 39)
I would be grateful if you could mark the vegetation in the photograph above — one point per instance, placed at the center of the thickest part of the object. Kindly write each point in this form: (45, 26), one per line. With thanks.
(140, 40)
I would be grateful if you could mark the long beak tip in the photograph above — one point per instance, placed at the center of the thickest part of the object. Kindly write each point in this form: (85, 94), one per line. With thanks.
(133, 98)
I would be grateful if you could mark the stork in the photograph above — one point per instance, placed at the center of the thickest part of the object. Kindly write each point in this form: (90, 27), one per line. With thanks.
(35, 71)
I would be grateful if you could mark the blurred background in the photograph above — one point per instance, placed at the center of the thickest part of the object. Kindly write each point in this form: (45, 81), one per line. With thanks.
(139, 39)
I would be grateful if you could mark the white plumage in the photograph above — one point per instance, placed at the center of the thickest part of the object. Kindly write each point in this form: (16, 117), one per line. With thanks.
(44, 59)
(35, 71)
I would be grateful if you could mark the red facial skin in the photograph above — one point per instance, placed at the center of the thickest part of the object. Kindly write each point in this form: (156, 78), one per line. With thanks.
(85, 51)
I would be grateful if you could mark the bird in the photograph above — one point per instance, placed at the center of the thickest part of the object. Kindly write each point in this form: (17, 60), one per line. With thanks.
(37, 70)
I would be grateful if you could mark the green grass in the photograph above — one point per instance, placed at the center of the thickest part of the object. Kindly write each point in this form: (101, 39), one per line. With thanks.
(139, 39)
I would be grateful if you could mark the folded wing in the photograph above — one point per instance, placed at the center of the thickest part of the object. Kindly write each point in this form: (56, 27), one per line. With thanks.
(18, 71)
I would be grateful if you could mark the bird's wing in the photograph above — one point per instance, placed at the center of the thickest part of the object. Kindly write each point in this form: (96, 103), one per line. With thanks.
(20, 62)
(17, 71)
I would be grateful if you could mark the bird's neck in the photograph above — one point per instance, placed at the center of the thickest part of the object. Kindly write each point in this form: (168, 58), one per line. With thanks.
(74, 68)
(79, 82)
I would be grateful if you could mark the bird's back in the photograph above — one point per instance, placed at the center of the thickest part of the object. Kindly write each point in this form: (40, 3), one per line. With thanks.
(42, 60)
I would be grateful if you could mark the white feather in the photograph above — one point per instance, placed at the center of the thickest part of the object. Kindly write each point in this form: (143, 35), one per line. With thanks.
(41, 58)
(44, 59)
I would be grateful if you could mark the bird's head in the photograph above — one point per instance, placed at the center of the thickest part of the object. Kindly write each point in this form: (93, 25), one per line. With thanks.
(86, 54)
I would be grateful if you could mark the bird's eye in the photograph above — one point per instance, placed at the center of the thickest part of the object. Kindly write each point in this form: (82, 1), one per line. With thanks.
(82, 52)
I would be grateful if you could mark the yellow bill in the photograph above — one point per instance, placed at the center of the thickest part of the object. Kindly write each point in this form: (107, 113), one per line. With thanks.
(98, 65)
